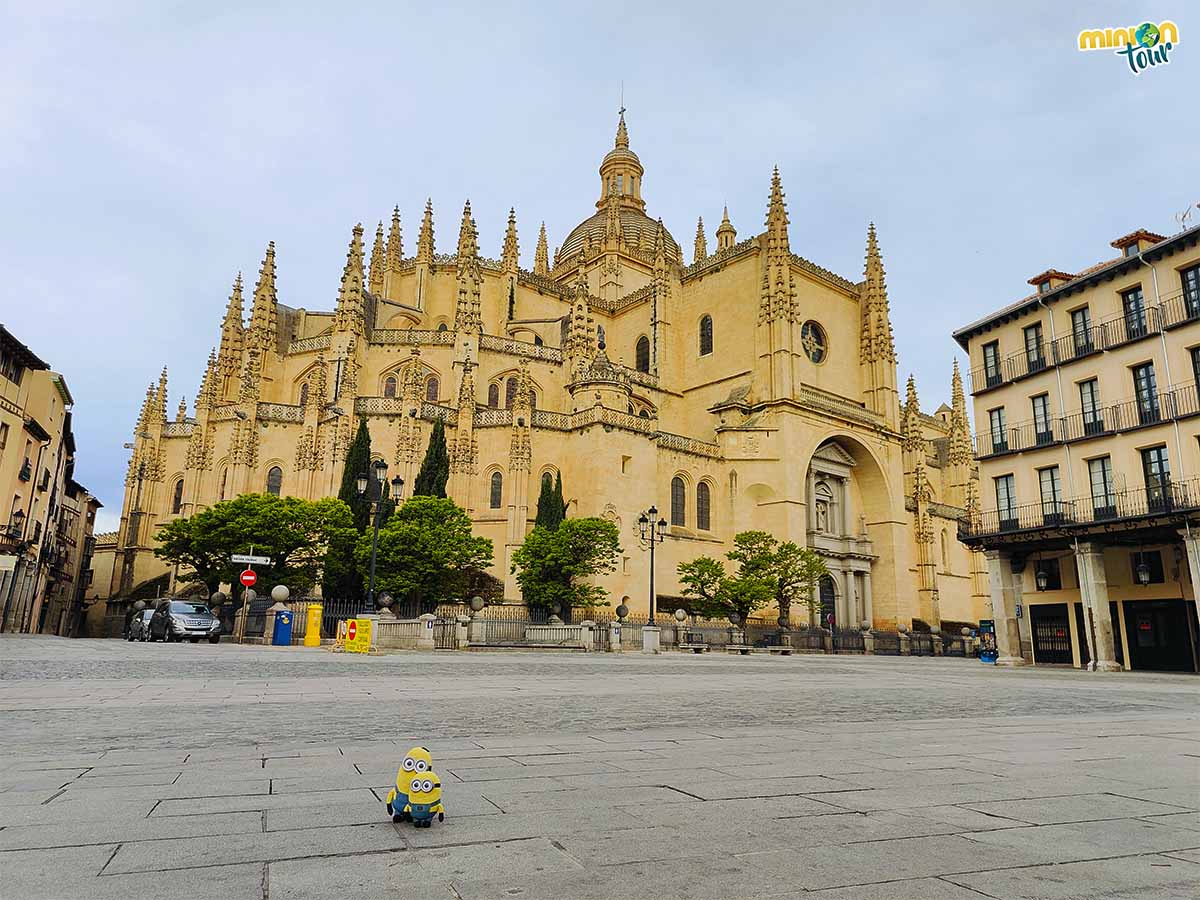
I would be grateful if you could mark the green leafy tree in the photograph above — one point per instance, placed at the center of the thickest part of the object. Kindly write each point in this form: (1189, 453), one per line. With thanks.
(435, 467)
(550, 507)
(712, 593)
(426, 553)
(298, 536)
(794, 571)
(554, 566)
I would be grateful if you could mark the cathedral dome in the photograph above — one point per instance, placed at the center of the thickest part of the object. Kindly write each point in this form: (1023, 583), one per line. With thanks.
(620, 187)
(637, 228)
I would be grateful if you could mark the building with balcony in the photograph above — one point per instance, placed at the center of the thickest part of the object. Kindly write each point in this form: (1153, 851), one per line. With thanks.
(45, 515)
(1088, 441)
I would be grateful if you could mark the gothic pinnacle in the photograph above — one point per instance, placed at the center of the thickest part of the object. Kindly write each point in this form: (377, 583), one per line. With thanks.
(375, 279)
(878, 341)
(726, 235)
(425, 236)
(541, 259)
(349, 313)
(701, 243)
(395, 243)
(264, 310)
(468, 237)
(510, 257)
(777, 217)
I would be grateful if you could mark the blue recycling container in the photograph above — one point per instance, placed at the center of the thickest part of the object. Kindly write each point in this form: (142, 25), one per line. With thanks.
(282, 636)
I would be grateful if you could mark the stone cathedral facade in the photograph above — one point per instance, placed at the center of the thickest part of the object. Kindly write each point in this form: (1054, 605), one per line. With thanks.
(751, 389)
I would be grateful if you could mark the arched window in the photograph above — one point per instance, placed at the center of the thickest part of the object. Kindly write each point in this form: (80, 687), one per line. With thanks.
(703, 507)
(177, 500)
(510, 392)
(497, 490)
(431, 389)
(678, 501)
(493, 395)
(532, 400)
(642, 354)
(304, 394)
(547, 480)
(537, 340)
(442, 326)
(389, 386)
(224, 478)
(643, 414)
(706, 337)
(945, 552)
(275, 480)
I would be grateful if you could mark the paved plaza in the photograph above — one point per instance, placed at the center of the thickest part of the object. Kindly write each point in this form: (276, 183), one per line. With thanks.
(147, 771)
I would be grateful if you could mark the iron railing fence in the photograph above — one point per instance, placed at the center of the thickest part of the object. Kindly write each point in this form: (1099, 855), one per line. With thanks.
(887, 643)
(920, 643)
(847, 639)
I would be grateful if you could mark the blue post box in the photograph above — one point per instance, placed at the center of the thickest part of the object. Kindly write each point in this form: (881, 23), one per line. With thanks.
(282, 636)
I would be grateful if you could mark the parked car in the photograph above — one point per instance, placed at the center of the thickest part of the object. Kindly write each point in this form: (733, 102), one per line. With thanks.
(177, 620)
(139, 626)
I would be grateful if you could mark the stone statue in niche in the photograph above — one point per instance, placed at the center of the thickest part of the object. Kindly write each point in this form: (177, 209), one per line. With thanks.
(822, 516)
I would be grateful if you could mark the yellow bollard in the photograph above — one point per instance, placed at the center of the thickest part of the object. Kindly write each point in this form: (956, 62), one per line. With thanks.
(312, 625)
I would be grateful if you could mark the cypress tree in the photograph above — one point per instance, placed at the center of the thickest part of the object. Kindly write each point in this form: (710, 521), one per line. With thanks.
(545, 506)
(435, 467)
(560, 505)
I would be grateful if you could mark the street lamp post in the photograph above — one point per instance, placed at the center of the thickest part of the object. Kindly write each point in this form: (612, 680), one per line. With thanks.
(372, 487)
(654, 533)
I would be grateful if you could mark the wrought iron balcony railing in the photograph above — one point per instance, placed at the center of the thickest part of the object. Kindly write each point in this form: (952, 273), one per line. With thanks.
(1147, 501)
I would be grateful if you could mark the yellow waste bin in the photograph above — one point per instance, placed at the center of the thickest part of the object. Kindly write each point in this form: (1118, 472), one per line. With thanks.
(312, 625)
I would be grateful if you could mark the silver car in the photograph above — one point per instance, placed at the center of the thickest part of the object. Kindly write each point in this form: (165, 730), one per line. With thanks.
(139, 626)
(177, 620)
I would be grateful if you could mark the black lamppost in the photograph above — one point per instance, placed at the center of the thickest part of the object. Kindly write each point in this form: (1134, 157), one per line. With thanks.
(372, 487)
(654, 533)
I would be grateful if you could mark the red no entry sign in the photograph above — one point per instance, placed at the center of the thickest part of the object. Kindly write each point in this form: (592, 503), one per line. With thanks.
(351, 630)
(248, 578)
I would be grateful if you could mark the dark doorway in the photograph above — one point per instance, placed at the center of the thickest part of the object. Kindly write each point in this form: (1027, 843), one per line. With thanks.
(1160, 635)
(1051, 634)
(828, 600)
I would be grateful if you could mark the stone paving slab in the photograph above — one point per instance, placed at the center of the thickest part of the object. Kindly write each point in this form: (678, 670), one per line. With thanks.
(1152, 876)
(763, 777)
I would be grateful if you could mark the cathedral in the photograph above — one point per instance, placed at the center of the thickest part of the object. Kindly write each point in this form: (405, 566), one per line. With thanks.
(749, 389)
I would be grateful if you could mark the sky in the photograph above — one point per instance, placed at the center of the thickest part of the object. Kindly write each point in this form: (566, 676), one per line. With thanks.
(148, 152)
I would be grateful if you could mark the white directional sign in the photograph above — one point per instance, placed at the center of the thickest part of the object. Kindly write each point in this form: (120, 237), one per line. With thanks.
(251, 560)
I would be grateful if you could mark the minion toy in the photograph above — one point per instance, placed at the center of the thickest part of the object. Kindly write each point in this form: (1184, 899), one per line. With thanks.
(416, 762)
(425, 800)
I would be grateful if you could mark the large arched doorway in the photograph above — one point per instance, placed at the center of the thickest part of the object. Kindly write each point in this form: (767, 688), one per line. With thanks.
(849, 512)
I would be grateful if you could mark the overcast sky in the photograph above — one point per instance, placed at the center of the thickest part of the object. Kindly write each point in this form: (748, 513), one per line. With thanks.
(149, 151)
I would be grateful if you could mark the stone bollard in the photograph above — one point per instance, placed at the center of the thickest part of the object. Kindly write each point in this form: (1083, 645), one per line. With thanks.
(968, 644)
(477, 630)
(614, 637)
(587, 635)
(905, 640)
(938, 649)
(651, 639)
(827, 639)
(868, 639)
(425, 639)
(461, 632)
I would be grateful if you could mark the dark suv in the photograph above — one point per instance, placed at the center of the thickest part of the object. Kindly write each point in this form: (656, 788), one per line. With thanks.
(175, 620)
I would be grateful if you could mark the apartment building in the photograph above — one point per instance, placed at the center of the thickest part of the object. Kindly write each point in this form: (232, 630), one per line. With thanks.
(46, 517)
(1087, 433)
